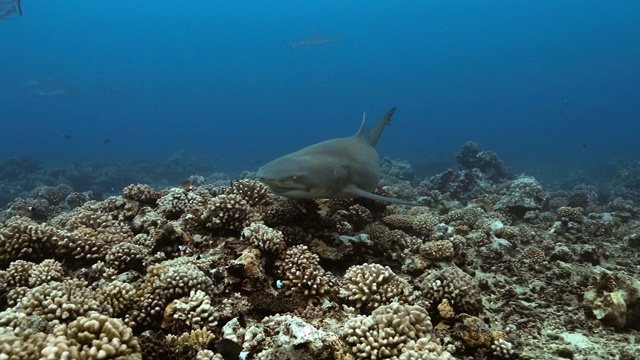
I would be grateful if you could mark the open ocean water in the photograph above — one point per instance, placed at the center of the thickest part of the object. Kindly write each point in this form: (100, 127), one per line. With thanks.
(546, 84)
(139, 216)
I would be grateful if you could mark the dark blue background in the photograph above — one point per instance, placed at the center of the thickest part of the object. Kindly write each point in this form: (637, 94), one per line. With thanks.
(216, 79)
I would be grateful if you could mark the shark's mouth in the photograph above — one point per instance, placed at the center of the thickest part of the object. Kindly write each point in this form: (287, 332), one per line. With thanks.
(283, 188)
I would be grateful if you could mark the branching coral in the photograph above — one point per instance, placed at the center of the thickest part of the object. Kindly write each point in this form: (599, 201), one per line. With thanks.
(438, 250)
(142, 193)
(25, 273)
(453, 285)
(301, 273)
(166, 282)
(264, 237)
(22, 238)
(369, 286)
(177, 201)
(390, 331)
(253, 192)
(94, 336)
(229, 212)
(118, 297)
(193, 312)
(63, 301)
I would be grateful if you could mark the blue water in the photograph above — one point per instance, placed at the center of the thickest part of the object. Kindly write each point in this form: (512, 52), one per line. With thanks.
(544, 83)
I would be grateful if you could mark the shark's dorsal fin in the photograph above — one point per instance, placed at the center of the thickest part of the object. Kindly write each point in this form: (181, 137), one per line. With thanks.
(374, 134)
(360, 132)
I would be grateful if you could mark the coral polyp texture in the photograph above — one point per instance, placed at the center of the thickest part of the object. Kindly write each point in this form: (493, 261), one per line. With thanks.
(495, 267)
(369, 286)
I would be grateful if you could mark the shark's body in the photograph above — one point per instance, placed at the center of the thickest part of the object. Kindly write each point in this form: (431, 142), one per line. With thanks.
(337, 168)
(315, 39)
(48, 88)
(8, 8)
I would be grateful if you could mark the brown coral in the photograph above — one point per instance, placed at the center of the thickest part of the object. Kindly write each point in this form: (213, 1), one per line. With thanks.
(142, 193)
(166, 282)
(454, 285)
(369, 286)
(387, 331)
(22, 238)
(301, 273)
(438, 250)
(62, 301)
(94, 336)
(229, 212)
(264, 237)
(253, 192)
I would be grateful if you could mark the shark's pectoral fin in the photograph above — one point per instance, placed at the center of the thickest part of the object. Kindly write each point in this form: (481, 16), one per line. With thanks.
(352, 189)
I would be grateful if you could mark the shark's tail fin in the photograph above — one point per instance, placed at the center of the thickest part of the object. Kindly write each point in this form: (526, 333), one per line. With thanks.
(292, 46)
(18, 7)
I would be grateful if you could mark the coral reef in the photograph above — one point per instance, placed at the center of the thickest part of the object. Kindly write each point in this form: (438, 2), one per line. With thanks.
(453, 285)
(369, 286)
(495, 267)
(392, 332)
(488, 162)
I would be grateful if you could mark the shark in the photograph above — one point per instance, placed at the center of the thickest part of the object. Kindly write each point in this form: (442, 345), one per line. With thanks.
(8, 8)
(315, 39)
(49, 88)
(332, 169)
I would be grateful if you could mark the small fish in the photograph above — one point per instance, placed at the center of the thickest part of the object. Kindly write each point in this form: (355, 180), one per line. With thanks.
(8, 8)
(186, 185)
(584, 147)
(242, 321)
(106, 142)
(30, 209)
(230, 350)
(67, 136)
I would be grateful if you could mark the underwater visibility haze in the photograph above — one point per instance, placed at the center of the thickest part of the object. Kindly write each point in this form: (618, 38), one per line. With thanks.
(144, 145)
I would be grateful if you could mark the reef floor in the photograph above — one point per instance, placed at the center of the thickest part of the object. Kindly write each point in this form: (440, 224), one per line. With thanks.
(493, 266)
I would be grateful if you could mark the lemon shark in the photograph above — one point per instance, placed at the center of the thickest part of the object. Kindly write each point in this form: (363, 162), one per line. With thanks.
(8, 8)
(337, 168)
(315, 39)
